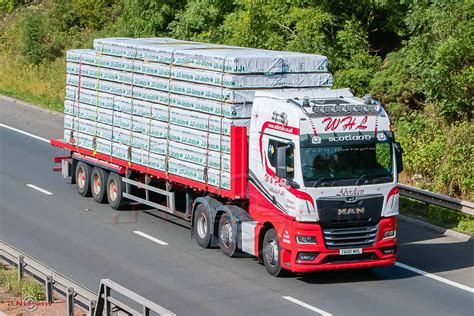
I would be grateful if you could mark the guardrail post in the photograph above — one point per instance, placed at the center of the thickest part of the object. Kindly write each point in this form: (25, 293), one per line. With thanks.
(49, 289)
(108, 307)
(91, 308)
(21, 266)
(70, 301)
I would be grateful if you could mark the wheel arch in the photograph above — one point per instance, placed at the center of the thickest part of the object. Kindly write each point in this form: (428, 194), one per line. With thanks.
(261, 235)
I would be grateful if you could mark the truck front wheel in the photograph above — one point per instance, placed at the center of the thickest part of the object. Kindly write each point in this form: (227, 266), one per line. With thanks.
(99, 185)
(115, 191)
(83, 178)
(271, 253)
(202, 226)
(227, 236)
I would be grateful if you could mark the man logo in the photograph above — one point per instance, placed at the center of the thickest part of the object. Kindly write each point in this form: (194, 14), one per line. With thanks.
(351, 199)
(350, 211)
(316, 140)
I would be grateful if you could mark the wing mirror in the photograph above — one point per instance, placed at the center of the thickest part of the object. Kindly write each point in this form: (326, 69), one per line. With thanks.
(281, 170)
(398, 156)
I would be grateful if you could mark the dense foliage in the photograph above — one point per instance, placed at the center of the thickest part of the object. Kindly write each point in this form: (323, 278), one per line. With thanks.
(416, 56)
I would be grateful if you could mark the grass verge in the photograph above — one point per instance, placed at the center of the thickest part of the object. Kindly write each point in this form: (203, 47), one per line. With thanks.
(43, 84)
(27, 287)
(457, 221)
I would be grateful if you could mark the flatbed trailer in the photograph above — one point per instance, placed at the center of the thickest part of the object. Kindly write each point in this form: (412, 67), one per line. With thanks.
(279, 208)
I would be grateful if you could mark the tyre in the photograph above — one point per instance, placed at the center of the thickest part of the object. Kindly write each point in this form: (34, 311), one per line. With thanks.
(99, 184)
(227, 236)
(202, 226)
(83, 178)
(271, 254)
(115, 189)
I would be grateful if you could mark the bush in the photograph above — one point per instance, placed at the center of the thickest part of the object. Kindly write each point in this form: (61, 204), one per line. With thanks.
(8, 6)
(436, 153)
(33, 39)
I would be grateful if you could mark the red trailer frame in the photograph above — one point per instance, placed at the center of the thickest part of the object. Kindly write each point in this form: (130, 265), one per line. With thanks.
(238, 165)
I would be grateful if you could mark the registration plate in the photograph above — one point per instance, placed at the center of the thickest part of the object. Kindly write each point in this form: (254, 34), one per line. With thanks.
(352, 251)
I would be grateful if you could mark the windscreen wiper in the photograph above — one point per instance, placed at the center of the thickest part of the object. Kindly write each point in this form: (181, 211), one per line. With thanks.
(371, 176)
(360, 178)
(317, 182)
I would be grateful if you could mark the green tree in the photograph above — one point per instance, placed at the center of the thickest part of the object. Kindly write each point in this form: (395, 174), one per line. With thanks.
(141, 18)
(200, 20)
(435, 64)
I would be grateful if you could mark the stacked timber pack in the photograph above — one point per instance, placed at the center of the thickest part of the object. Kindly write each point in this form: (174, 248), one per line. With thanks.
(170, 105)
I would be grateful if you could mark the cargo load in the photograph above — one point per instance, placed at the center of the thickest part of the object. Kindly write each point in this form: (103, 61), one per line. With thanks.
(170, 105)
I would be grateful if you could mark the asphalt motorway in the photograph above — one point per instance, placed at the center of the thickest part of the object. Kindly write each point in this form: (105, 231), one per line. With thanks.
(87, 242)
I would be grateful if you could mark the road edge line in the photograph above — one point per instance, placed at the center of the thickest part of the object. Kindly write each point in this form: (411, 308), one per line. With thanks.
(435, 277)
(24, 132)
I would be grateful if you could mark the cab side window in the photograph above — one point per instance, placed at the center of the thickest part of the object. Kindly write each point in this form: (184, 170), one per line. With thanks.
(271, 151)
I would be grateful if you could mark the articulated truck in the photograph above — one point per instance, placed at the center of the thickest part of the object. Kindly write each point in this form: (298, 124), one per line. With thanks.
(253, 147)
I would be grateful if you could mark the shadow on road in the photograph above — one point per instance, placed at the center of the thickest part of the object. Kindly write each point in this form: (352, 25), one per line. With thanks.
(417, 246)
(432, 251)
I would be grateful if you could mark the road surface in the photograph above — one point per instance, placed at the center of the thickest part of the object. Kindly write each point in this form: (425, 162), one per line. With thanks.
(43, 216)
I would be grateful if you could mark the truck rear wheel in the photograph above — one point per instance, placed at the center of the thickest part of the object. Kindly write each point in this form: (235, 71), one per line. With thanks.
(202, 226)
(115, 190)
(271, 253)
(227, 236)
(83, 178)
(99, 184)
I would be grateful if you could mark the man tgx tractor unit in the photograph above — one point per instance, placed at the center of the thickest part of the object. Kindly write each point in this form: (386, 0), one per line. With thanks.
(251, 146)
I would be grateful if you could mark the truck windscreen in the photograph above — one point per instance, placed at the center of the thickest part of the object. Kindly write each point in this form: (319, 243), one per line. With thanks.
(351, 164)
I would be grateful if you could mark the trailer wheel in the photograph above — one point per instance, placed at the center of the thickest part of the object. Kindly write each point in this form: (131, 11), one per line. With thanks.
(99, 184)
(202, 226)
(115, 190)
(271, 254)
(227, 236)
(83, 178)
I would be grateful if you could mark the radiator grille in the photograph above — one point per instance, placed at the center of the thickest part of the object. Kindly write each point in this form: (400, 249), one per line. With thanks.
(353, 237)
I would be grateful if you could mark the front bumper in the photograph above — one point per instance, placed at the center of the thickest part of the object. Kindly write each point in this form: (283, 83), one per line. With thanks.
(330, 259)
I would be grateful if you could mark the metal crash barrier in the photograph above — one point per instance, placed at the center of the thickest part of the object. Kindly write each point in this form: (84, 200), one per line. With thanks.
(436, 199)
(76, 294)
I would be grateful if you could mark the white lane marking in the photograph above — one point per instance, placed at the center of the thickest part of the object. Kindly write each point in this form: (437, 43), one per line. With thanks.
(435, 277)
(25, 133)
(310, 307)
(161, 242)
(34, 187)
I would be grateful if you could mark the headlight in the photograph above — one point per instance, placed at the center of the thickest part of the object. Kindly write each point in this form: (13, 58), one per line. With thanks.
(389, 234)
(306, 240)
